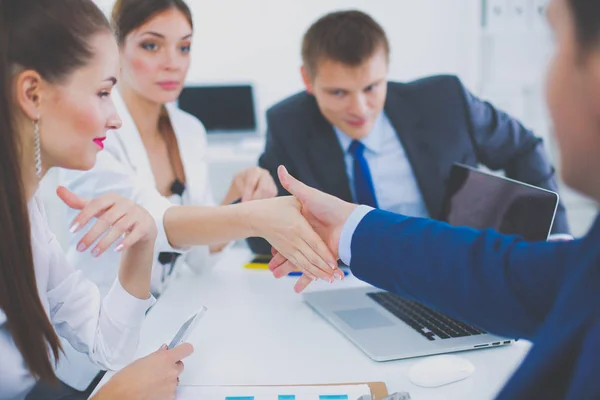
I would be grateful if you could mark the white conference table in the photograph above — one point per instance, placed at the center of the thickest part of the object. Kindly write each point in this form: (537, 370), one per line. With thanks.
(257, 331)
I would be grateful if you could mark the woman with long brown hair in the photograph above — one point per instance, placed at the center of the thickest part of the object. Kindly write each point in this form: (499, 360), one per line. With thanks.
(158, 144)
(55, 110)
(159, 160)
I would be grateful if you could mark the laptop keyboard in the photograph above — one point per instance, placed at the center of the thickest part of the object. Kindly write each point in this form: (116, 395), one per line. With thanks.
(424, 320)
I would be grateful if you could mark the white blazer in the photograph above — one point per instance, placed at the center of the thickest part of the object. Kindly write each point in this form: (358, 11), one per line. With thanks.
(124, 167)
(107, 330)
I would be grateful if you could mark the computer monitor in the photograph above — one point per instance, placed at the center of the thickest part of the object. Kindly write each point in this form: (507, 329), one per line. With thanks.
(225, 109)
(481, 200)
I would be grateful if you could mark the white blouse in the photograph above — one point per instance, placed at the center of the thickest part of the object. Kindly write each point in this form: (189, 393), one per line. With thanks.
(107, 330)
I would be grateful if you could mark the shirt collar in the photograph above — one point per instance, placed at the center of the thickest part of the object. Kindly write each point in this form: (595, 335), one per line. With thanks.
(373, 141)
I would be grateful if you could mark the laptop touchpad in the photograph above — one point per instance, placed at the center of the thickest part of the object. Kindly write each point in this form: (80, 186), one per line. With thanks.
(363, 318)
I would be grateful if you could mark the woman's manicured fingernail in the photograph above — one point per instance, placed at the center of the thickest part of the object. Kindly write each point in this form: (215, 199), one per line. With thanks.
(95, 252)
(81, 247)
(333, 266)
(119, 248)
(74, 227)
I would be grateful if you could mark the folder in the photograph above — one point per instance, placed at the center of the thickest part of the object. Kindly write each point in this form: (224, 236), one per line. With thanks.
(378, 390)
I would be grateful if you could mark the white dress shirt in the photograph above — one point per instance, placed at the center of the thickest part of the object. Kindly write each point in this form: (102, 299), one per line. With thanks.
(107, 330)
(396, 188)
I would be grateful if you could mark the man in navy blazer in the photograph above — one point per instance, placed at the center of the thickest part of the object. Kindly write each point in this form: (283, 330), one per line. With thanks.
(408, 134)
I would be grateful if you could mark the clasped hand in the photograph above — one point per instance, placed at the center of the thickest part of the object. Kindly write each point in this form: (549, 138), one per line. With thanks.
(325, 213)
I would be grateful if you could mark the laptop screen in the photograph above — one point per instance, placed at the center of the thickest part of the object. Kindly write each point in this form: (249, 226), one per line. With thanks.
(221, 109)
(480, 200)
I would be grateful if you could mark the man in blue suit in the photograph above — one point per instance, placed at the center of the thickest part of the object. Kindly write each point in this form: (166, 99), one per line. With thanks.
(389, 145)
(546, 292)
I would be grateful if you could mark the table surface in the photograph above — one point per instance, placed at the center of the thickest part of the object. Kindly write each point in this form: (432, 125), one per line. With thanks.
(257, 331)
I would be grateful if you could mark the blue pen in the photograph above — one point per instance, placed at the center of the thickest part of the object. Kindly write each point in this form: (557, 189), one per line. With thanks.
(299, 273)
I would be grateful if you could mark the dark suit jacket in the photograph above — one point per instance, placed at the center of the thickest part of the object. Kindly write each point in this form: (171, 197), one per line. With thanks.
(438, 123)
(544, 292)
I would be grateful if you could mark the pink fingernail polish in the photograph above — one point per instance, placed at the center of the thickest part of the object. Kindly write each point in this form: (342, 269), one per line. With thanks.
(119, 248)
(81, 247)
(95, 252)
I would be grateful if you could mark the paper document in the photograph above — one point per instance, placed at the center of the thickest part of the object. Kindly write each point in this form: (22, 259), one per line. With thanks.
(343, 392)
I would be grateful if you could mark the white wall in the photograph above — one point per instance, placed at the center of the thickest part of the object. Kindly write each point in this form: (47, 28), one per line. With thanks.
(258, 41)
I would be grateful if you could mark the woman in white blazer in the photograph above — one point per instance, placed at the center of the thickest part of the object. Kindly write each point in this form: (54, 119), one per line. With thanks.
(55, 109)
(127, 148)
(158, 158)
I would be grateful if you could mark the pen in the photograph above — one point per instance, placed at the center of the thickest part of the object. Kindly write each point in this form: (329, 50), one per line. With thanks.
(299, 273)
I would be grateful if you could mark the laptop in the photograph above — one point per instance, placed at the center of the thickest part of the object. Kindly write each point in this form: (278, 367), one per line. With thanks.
(388, 327)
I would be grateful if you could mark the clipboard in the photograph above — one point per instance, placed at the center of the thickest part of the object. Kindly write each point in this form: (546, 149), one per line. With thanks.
(378, 389)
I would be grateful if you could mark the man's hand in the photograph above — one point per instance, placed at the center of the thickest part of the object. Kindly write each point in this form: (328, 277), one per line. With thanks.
(325, 213)
(253, 183)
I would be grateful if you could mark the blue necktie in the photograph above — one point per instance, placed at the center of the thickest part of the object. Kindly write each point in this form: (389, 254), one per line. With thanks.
(363, 184)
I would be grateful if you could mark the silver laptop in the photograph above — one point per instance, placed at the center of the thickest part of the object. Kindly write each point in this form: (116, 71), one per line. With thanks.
(389, 327)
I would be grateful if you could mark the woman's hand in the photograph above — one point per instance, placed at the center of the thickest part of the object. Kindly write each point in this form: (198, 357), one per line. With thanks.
(253, 183)
(119, 220)
(281, 223)
(154, 377)
(325, 213)
(116, 216)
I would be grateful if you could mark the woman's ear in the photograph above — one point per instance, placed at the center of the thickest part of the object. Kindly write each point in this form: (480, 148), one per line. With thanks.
(28, 93)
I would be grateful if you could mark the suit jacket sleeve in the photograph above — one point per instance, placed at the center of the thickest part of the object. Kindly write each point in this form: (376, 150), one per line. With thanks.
(275, 153)
(503, 143)
(497, 282)
(271, 159)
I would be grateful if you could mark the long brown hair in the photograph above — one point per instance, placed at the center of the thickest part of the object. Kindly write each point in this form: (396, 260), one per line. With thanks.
(128, 15)
(50, 37)
(586, 21)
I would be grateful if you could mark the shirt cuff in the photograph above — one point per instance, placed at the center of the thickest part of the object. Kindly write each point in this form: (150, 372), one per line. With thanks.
(125, 309)
(345, 245)
(158, 209)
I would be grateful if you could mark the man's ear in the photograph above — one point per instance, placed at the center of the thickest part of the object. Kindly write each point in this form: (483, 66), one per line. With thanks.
(28, 93)
(306, 78)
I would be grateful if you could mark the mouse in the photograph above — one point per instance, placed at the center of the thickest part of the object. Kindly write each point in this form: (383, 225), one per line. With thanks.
(440, 370)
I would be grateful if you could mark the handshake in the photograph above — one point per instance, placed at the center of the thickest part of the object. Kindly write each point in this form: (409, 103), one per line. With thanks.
(317, 257)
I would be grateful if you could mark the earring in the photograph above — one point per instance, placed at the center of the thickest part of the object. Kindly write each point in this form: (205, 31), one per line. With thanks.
(38, 150)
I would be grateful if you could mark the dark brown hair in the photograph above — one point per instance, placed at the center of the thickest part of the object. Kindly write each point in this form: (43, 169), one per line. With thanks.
(52, 38)
(587, 22)
(349, 37)
(128, 15)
